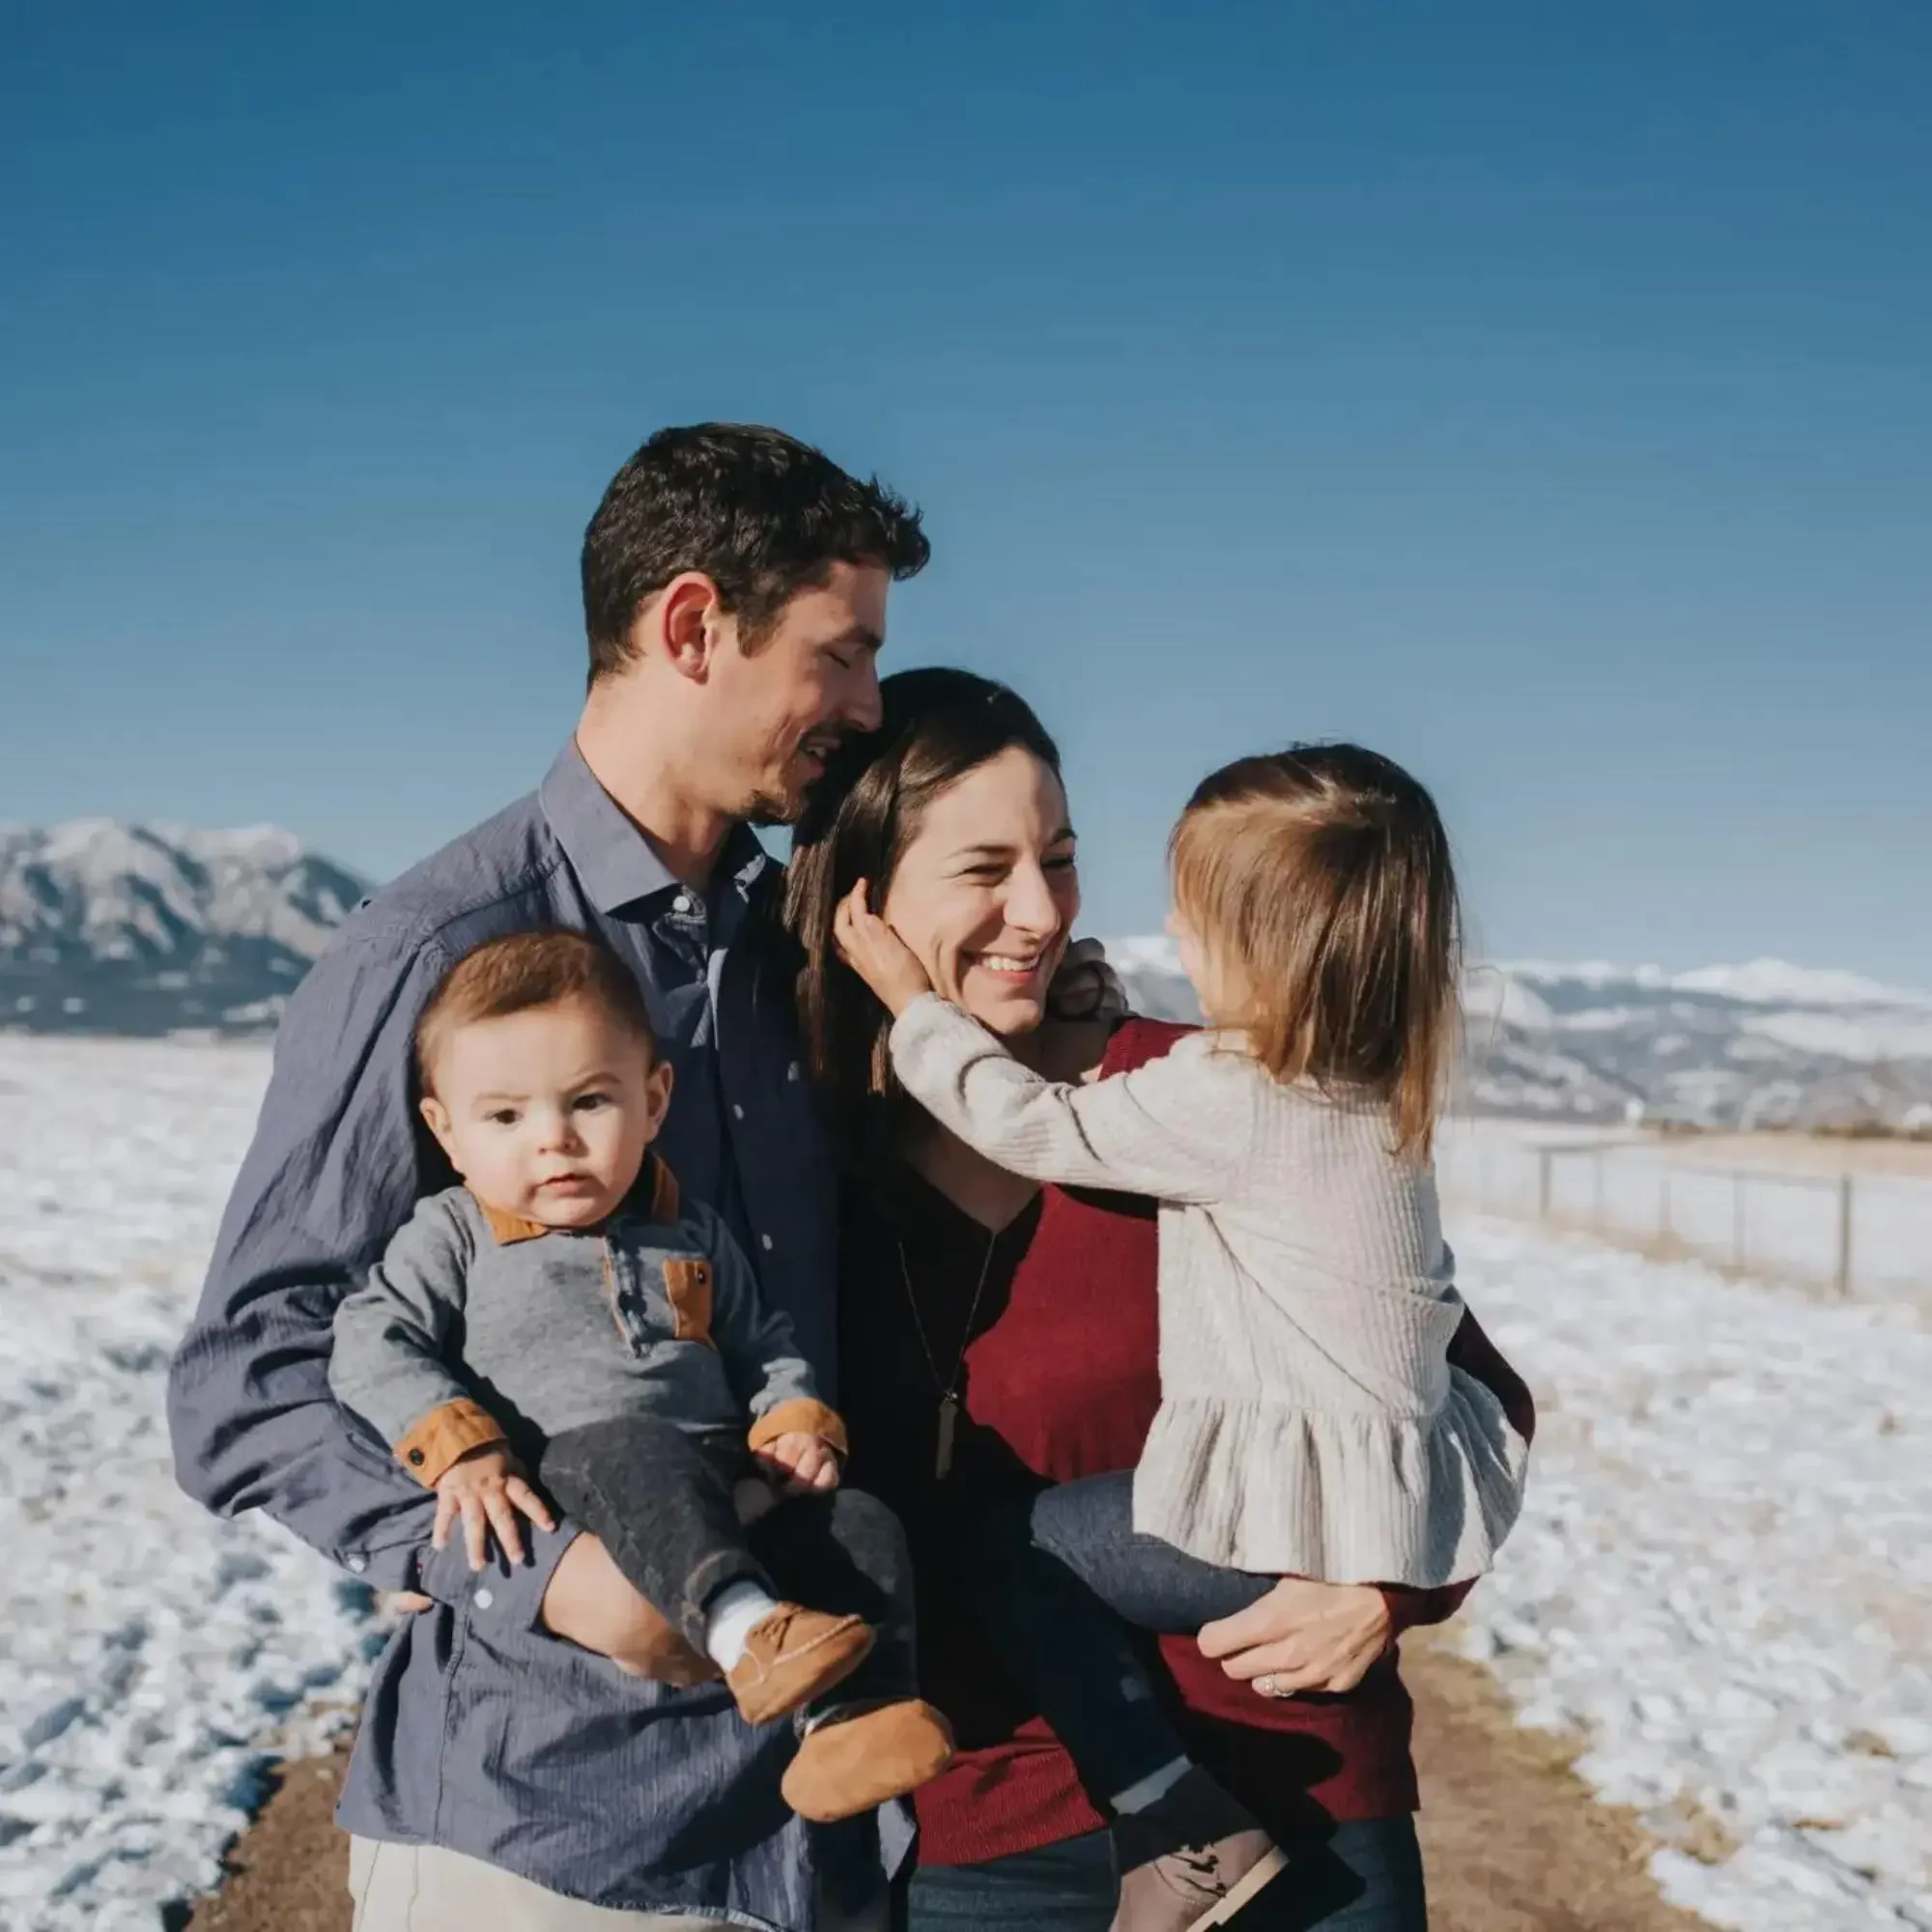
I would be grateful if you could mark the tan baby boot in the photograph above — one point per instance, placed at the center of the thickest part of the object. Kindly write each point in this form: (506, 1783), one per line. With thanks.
(792, 1656)
(850, 1763)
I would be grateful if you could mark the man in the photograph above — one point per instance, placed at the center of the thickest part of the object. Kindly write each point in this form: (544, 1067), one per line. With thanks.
(507, 1776)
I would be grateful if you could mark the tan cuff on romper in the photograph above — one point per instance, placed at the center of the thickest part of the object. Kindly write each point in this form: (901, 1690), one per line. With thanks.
(444, 1434)
(801, 1416)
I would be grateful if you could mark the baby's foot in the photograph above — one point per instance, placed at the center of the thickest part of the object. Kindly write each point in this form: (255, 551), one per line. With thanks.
(854, 1759)
(792, 1656)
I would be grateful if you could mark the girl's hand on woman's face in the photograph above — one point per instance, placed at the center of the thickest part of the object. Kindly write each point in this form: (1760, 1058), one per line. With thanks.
(1302, 1635)
(877, 953)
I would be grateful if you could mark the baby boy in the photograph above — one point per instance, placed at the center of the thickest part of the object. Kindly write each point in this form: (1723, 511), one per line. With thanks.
(561, 1323)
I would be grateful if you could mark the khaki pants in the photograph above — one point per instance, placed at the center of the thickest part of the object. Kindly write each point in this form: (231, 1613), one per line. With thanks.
(425, 1889)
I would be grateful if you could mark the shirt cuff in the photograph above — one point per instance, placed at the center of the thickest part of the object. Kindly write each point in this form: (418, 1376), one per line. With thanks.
(920, 1016)
(1408, 1609)
(799, 1416)
(444, 1435)
(511, 1594)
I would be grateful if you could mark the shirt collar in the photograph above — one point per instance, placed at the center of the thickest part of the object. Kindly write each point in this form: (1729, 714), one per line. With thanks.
(509, 1227)
(617, 863)
(655, 1190)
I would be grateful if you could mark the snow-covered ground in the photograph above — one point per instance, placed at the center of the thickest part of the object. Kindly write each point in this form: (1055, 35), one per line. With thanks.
(148, 1654)
(1723, 1581)
(1723, 1578)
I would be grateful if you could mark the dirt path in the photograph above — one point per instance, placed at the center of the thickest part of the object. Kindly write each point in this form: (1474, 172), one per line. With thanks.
(289, 1869)
(1511, 1837)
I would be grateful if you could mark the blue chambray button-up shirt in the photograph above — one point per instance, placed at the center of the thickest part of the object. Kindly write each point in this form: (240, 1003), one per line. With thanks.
(482, 1732)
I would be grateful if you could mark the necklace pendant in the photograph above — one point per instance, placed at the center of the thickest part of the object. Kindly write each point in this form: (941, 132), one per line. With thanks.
(949, 1421)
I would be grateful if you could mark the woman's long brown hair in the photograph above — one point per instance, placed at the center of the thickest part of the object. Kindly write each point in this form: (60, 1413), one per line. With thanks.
(939, 725)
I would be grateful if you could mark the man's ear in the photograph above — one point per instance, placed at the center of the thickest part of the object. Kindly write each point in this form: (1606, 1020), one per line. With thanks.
(685, 622)
(437, 1117)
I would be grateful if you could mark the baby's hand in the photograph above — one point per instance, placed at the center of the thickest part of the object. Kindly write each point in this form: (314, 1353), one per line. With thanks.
(800, 1464)
(487, 1489)
(877, 953)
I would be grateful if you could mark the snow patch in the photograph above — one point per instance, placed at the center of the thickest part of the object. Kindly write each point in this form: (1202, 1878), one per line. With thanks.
(1722, 1579)
(153, 1655)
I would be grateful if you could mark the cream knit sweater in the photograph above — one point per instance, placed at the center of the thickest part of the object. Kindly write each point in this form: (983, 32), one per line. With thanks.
(1310, 1422)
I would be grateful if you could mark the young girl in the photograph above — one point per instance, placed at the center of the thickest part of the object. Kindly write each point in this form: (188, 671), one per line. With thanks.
(1309, 1423)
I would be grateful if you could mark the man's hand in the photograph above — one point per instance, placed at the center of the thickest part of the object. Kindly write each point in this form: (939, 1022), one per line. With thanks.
(877, 953)
(487, 1489)
(1302, 1635)
(800, 1464)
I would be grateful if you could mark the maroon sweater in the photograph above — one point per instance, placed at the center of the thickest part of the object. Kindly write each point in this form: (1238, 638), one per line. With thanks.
(1062, 1382)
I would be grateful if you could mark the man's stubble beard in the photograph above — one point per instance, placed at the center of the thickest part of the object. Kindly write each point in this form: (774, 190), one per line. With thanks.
(770, 807)
(766, 809)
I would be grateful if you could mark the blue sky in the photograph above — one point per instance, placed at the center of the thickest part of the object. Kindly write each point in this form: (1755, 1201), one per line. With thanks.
(1542, 395)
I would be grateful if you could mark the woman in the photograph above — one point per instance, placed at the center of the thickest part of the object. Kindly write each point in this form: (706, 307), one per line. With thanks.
(996, 1335)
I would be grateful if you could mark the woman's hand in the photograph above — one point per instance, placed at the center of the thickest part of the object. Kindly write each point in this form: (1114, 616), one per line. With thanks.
(877, 953)
(1302, 1635)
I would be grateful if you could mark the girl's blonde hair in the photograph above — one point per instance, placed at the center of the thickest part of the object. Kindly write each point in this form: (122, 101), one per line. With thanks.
(1319, 879)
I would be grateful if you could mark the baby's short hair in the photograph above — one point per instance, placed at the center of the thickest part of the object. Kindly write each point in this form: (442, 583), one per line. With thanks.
(522, 971)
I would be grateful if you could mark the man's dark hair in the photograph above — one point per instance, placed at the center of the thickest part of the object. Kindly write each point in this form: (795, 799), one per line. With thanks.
(758, 512)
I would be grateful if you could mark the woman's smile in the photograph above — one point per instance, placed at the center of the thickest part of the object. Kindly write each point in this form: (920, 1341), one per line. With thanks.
(1008, 965)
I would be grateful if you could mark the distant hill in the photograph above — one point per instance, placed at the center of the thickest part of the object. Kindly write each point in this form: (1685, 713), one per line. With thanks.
(1760, 1045)
(151, 930)
(113, 928)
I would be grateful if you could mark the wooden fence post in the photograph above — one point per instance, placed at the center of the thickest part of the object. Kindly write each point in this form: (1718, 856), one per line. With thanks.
(1544, 1159)
(1844, 1234)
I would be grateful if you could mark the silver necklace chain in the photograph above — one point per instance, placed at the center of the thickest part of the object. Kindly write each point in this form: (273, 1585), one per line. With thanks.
(948, 1387)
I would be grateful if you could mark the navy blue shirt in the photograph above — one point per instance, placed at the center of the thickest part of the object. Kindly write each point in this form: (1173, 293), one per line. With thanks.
(483, 1732)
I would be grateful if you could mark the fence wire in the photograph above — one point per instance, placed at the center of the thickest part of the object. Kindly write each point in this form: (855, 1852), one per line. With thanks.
(1842, 1234)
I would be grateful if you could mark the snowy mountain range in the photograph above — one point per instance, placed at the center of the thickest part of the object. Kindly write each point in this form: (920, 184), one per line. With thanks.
(151, 930)
(121, 929)
(1762, 1045)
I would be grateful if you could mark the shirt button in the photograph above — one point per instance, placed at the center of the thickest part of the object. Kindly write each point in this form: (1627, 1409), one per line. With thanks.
(416, 1458)
(482, 1598)
(680, 905)
(765, 1243)
(357, 1564)
(737, 1111)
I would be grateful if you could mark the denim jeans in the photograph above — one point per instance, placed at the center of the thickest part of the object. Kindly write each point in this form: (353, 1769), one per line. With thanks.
(1360, 1877)
(660, 1500)
(1060, 1581)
